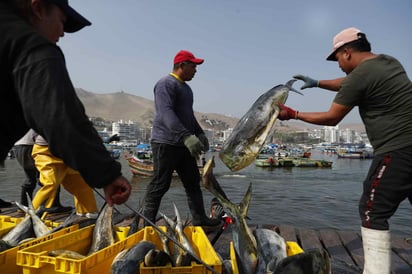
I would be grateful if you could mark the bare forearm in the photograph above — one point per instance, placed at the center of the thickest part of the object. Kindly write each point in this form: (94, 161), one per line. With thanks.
(318, 118)
(333, 84)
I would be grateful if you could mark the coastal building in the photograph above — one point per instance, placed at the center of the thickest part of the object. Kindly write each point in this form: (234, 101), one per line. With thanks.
(126, 130)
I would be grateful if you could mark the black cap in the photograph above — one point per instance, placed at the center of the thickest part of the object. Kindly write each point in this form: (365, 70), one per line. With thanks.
(74, 20)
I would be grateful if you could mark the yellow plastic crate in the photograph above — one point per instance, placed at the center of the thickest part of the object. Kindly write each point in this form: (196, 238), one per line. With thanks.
(201, 246)
(7, 223)
(8, 257)
(35, 259)
(292, 248)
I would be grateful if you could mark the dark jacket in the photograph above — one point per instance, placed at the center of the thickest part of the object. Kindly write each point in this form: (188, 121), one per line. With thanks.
(36, 92)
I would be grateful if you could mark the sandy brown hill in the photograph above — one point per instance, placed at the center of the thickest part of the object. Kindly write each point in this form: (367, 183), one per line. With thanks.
(125, 106)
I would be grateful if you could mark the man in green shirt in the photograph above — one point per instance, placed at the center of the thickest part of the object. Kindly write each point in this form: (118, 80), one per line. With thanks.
(380, 87)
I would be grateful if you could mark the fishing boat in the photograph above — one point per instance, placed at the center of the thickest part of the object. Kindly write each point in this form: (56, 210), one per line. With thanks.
(355, 152)
(291, 162)
(309, 162)
(274, 162)
(142, 164)
(138, 166)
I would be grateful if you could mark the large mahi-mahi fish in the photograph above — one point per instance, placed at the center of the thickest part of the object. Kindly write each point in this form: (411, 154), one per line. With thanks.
(249, 134)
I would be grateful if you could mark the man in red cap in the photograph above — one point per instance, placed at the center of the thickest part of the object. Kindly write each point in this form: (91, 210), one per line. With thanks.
(380, 87)
(37, 92)
(177, 140)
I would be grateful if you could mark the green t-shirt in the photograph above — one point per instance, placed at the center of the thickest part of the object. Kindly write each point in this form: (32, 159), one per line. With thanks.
(382, 90)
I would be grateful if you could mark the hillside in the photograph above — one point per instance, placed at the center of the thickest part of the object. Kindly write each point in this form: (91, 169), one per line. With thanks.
(124, 106)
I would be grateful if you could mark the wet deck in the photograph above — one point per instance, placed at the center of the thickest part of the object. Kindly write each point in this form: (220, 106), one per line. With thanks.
(344, 247)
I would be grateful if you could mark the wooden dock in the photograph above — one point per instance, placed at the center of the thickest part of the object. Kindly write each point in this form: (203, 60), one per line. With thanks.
(344, 247)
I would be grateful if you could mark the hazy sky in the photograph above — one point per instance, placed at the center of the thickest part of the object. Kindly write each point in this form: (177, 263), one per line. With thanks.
(248, 46)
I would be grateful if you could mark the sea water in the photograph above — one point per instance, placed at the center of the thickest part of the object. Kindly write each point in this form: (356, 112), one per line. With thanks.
(314, 198)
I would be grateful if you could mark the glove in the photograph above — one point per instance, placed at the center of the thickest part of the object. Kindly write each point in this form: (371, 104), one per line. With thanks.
(193, 144)
(309, 82)
(205, 142)
(287, 113)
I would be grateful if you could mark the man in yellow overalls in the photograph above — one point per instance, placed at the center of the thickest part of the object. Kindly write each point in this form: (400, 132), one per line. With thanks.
(53, 172)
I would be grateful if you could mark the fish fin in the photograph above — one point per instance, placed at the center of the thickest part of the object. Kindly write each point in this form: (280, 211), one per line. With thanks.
(29, 202)
(22, 207)
(289, 85)
(244, 205)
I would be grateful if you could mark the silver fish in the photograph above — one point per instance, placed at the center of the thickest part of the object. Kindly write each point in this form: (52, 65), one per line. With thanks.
(271, 249)
(30, 227)
(243, 239)
(128, 261)
(315, 261)
(103, 232)
(39, 227)
(185, 256)
(21, 231)
(250, 133)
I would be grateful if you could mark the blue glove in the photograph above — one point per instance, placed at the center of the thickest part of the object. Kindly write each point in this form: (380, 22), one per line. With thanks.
(193, 144)
(309, 82)
(205, 142)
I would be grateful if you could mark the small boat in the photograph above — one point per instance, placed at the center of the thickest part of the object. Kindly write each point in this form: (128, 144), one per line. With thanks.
(355, 153)
(143, 167)
(274, 162)
(308, 162)
(142, 164)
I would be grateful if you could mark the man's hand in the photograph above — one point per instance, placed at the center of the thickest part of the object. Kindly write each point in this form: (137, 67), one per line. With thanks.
(118, 191)
(205, 142)
(194, 145)
(309, 82)
(287, 113)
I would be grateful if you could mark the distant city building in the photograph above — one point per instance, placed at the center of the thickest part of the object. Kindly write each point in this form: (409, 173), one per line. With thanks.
(126, 130)
(331, 134)
(226, 134)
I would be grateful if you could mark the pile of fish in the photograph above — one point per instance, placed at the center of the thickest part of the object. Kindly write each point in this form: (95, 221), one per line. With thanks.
(129, 260)
(247, 138)
(29, 228)
(263, 250)
(103, 236)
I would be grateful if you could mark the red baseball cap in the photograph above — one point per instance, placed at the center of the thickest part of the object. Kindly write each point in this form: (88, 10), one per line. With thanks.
(185, 55)
(342, 38)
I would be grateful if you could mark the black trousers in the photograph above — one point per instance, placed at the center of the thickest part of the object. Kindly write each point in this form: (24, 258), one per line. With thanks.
(166, 160)
(388, 183)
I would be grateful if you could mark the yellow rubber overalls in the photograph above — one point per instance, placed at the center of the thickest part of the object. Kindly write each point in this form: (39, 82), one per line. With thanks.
(53, 172)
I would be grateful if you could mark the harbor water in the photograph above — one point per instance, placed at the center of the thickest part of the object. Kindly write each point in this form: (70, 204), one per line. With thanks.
(314, 198)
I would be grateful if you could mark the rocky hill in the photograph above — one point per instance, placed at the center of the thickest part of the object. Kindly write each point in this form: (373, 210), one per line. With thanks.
(124, 106)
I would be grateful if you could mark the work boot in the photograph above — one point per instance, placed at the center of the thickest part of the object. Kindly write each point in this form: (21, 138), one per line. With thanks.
(377, 251)
(57, 207)
(197, 209)
(3, 203)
